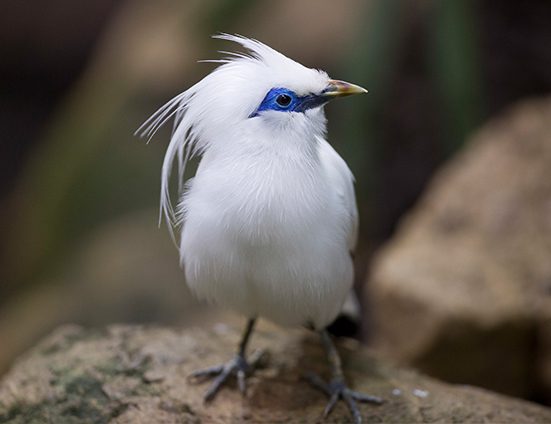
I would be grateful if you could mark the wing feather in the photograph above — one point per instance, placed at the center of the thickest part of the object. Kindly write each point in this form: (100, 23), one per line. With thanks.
(342, 179)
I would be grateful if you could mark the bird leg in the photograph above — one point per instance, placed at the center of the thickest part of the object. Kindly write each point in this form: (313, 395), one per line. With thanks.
(238, 365)
(337, 389)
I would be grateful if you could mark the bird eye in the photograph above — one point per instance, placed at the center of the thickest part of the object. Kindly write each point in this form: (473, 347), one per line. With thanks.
(283, 100)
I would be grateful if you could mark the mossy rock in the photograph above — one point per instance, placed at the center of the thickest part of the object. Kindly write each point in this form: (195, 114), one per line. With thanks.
(136, 374)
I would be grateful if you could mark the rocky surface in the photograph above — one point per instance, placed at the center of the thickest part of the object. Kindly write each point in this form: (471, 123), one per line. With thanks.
(132, 374)
(463, 291)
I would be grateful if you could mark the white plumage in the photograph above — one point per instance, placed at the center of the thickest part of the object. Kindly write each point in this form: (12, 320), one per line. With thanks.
(269, 220)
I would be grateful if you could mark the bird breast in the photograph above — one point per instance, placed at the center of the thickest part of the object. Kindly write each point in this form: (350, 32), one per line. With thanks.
(265, 238)
(261, 201)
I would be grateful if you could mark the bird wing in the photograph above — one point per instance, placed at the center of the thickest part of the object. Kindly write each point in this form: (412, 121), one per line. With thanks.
(342, 179)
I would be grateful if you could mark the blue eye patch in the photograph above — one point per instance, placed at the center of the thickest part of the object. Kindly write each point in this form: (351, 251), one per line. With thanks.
(284, 100)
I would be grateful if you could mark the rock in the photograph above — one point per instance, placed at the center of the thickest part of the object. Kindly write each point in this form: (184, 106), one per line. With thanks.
(463, 291)
(133, 374)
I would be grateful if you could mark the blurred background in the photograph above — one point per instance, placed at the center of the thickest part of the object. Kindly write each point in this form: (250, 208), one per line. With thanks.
(79, 193)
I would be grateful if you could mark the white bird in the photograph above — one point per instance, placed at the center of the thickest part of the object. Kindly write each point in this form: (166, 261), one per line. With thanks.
(269, 221)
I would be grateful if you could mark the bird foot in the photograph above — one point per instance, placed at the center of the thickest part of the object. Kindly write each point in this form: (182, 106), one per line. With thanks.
(238, 365)
(337, 389)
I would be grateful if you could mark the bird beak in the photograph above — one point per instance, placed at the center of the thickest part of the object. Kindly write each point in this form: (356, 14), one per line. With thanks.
(337, 88)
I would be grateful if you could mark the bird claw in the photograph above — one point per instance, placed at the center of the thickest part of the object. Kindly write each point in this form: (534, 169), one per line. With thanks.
(337, 389)
(238, 365)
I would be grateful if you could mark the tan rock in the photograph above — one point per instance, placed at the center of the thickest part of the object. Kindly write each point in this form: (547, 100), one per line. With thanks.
(127, 374)
(463, 290)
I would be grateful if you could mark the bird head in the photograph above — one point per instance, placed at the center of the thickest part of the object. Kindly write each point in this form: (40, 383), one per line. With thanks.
(259, 87)
(264, 89)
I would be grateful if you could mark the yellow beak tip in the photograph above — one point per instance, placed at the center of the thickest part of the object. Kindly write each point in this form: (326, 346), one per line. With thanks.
(337, 88)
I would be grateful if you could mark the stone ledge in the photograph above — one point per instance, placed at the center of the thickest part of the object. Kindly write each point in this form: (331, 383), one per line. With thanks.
(136, 374)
